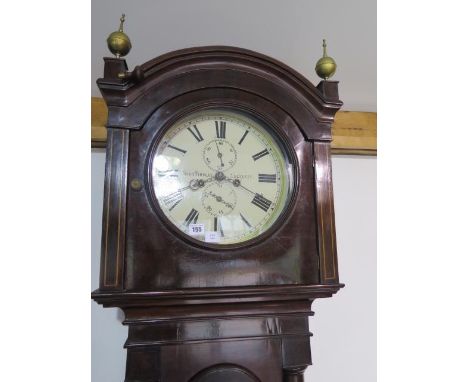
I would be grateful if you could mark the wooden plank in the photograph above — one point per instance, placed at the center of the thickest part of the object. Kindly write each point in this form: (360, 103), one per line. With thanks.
(98, 122)
(354, 132)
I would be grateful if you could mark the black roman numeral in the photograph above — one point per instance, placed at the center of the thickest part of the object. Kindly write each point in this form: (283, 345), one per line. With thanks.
(220, 129)
(173, 199)
(196, 134)
(176, 148)
(221, 232)
(261, 202)
(260, 154)
(217, 226)
(243, 137)
(245, 221)
(267, 178)
(192, 217)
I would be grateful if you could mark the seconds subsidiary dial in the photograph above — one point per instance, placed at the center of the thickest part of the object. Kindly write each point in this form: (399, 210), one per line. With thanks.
(221, 177)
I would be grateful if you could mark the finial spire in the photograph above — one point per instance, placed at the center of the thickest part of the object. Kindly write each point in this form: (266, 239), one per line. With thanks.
(326, 66)
(122, 20)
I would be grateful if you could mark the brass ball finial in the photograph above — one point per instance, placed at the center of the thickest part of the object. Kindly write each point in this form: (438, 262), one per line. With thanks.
(118, 42)
(326, 66)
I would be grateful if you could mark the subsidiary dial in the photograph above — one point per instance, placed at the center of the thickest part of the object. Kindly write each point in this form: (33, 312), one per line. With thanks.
(219, 199)
(219, 155)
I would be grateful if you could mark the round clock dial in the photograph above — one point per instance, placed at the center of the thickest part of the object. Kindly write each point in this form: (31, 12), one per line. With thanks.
(221, 177)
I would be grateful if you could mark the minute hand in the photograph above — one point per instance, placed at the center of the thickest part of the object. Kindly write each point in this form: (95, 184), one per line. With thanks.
(246, 189)
(237, 183)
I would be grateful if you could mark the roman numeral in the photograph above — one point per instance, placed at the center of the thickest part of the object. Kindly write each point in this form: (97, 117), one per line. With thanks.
(220, 129)
(243, 137)
(196, 134)
(176, 148)
(261, 202)
(221, 232)
(217, 226)
(173, 199)
(192, 217)
(260, 154)
(267, 178)
(245, 220)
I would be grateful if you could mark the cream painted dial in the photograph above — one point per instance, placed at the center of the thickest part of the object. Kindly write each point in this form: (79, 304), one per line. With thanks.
(221, 177)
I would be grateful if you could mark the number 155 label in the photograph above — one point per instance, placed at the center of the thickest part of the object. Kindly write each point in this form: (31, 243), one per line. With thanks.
(196, 229)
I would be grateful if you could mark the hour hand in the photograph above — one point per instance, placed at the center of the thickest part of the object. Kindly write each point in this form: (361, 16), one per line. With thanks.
(196, 184)
(235, 182)
(220, 156)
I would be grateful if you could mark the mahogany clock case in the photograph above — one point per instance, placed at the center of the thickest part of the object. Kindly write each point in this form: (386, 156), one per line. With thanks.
(199, 312)
(140, 250)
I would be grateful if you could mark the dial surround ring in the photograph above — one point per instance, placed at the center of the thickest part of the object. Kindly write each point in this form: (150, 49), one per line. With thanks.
(273, 131)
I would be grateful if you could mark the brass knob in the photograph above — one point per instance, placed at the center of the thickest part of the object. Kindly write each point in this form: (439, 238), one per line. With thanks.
(326, 66)
(118, 42)
(136, 184)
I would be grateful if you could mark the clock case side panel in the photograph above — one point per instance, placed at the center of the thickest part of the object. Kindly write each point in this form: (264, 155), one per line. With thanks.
(114, 210)
(325, 214)
(132, 97)
(324, 197)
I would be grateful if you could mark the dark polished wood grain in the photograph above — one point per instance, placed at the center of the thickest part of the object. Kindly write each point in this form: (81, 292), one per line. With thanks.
(325, 213)
(197, 312)
(114, 211)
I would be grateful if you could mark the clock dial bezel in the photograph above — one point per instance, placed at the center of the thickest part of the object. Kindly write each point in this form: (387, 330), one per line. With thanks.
(276, 134)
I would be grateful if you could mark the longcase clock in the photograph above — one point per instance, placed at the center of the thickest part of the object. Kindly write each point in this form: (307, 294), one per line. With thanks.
(218, 223)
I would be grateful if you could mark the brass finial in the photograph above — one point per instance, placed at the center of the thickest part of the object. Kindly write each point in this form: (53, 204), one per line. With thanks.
(118, 42)
(326, 66)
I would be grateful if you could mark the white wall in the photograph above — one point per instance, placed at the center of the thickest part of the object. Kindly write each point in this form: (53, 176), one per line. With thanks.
(290, 31)
(344, 327)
